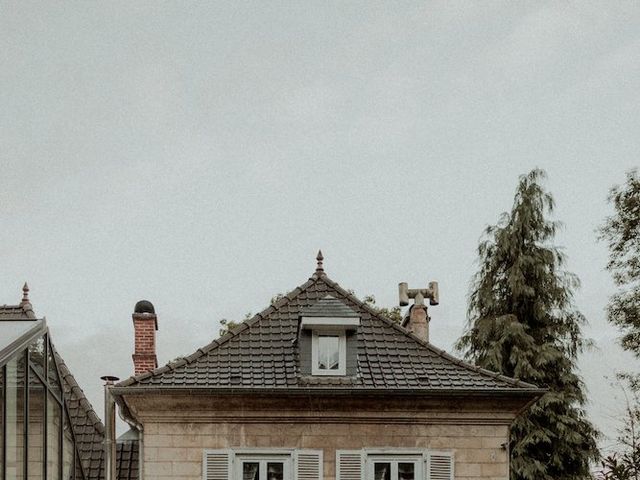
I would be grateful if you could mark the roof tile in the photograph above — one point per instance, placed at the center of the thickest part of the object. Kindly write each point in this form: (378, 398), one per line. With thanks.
(261, 353)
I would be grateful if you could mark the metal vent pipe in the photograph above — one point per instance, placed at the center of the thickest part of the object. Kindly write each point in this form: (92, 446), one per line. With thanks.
(110, 428)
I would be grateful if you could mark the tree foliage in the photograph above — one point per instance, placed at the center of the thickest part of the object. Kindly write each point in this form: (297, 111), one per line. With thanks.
(228, 325)
(522, 323)
(394, 313)
(622, 234)
(625, 463)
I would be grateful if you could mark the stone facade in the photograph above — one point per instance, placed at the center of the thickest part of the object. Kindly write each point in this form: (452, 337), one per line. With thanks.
(175, 436)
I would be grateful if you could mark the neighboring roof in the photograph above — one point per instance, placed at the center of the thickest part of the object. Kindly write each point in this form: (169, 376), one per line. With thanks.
(127, 457)
(16, 312)
(22, 311)
(261, 353)
(87, 426)
(89, 433)
(18, 327)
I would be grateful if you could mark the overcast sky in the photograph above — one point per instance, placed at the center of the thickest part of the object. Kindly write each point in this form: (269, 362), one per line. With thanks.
(198, 155)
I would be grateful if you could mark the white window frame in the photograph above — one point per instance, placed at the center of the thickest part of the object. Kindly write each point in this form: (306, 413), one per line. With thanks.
(262, 460)
(226, 464)
(366, 457)
(342, 352)
(394, 460)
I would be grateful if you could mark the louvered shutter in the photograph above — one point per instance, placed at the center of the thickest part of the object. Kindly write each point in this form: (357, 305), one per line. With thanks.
(440, 465)
(308, 464)
(216, 465)
(348, 465)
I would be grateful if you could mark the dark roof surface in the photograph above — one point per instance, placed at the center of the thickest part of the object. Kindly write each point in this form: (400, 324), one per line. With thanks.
(87, 426)
(24, 311)
(127, 460)
(262, 353)
(328, 307)
(89, 433)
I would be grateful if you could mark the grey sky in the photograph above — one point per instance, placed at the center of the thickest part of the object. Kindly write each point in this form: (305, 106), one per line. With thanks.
(198, 155)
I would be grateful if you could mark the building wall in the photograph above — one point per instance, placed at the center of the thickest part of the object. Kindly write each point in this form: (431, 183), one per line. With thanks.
(174, 450)
(176, 432)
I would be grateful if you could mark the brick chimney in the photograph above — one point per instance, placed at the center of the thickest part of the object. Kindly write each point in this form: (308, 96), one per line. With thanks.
(145, 324)
(417, 320)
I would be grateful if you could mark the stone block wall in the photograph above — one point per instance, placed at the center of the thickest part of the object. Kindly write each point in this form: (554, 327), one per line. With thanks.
(177, 431)
(175, 450)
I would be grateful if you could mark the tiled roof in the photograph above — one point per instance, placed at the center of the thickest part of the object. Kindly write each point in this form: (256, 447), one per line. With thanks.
(89, 433)
(262, 353)
(87, 426)
(127, 460)
(24, 311)
(328, 307)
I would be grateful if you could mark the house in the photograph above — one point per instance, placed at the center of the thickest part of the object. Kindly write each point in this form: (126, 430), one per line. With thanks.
(48, 428)
(319, 386)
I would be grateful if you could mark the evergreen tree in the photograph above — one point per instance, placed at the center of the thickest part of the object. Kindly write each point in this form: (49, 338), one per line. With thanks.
(622, 233)
(522, 323)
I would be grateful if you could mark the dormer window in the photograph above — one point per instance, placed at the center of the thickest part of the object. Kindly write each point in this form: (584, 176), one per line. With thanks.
(328, 338)
(328, 353)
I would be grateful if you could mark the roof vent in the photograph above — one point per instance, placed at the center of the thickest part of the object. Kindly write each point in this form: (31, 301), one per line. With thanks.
(144, 306)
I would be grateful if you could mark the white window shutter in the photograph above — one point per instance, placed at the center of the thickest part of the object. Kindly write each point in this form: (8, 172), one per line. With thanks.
(308, 464)
(439, 465)
(216, 465)
(349, 465)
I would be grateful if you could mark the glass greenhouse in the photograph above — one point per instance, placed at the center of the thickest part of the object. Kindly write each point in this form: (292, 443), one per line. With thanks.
(37, 440)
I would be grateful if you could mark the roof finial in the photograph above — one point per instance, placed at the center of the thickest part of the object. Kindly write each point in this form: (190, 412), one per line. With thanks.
(25, 293)
(319, 267)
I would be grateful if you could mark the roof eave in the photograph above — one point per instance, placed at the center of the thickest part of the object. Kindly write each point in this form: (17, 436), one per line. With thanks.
(513, 392)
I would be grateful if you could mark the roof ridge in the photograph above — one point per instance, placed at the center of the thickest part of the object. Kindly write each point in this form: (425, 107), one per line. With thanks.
(442, 353)
(241, 327)
(25, 308)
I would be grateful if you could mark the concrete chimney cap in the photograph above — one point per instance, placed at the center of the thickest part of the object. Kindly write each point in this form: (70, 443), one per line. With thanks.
(144, 306)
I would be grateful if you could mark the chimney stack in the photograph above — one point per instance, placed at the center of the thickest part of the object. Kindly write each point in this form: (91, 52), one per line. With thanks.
(145, 325)
(417, 320)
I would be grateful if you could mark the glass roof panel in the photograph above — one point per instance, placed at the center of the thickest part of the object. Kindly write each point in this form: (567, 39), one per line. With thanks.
(14, 333)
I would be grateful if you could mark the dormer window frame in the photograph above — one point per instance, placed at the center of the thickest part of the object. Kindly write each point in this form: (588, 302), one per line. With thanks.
(341, 371)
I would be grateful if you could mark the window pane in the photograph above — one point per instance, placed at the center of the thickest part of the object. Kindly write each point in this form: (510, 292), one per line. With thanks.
(328, 352)
(15, 417)
(406, 471)
(36, 356)
(275, 471)
(53, 438)
(67, 451)
(35, 448)
(382, 471)
(250, 471)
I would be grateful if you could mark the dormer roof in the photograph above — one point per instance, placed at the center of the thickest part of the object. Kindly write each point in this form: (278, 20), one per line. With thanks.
(328, 306)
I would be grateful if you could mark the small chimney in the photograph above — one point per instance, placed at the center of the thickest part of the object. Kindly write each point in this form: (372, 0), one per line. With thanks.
(145, 325)
(417, 320)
